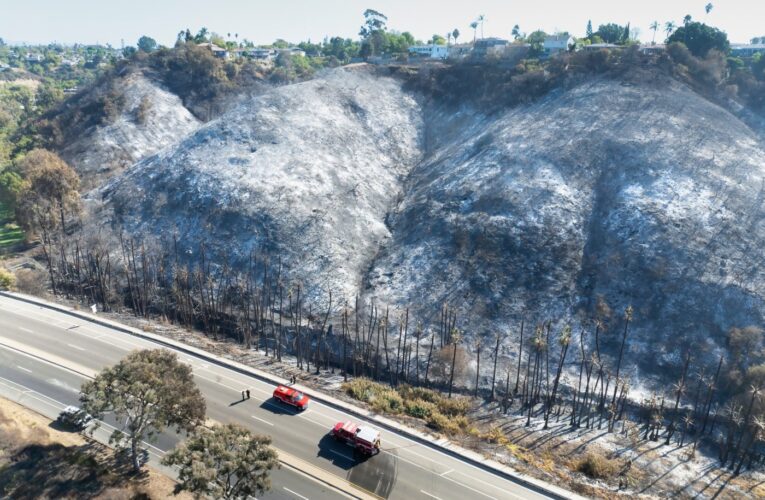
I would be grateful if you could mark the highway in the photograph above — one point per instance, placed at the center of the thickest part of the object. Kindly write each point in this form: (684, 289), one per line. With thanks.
(43, 350)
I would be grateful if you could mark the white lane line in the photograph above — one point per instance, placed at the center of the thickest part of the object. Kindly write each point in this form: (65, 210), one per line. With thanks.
(25, 369)
(431, 496)
(311, 420)
(77, 347)
(342, 455)
(264, 421)
(475, 490)
(393, 436)
(296, 494)
(503, 490)
(445, 477)
(26, 330)
(445, 473)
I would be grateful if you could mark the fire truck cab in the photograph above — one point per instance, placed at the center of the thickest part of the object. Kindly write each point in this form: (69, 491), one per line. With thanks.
(291, 397)
(363, 438)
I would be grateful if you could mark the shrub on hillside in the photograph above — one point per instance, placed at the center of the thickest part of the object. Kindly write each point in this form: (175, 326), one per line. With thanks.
(362, 389)
(387, 401)
(597, 466)
(142, 110)
(7, 279)
(418, 408)
(409, 392)
(453, 407)
(447, 425)
(709, 70)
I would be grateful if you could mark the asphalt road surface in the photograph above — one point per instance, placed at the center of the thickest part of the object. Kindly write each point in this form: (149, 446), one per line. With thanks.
(404, 469)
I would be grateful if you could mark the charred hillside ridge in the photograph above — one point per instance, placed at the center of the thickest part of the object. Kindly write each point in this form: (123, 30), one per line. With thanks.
(635, 191)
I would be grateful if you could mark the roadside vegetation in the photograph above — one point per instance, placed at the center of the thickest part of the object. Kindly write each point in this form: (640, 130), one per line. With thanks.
(150, 391)
(11, 234)
(441, 413)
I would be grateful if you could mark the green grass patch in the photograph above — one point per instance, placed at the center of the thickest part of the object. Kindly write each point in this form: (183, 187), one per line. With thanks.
(10, 233)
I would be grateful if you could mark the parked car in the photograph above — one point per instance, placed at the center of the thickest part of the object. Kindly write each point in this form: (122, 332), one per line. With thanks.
(75, 417)
(362, 438)
(292, 397)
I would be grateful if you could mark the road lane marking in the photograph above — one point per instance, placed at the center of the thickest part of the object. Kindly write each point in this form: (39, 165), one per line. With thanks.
(393, 436)
(26, 330)
(473, 489)
(25, 369)
(445, 477)
(445, 473)
(264, 421)
(504, 490)
(431, 496)
(77, 347)
(342, 455)
(296, 494)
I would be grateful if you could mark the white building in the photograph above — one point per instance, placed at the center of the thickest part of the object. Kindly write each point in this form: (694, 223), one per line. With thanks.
(557, 43)
(432, 51)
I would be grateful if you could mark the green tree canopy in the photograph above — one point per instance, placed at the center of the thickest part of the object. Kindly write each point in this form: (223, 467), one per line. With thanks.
(537, 40)
(147, 391)
(147, 44)
(438, 40)
(700, 38)
(341, 48)
(225, 461)
(373, 33)
(612, 33)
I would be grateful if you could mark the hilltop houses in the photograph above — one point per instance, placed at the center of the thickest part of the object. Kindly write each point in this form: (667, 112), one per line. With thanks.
(558, 43)
(489, 46)
(219, 52)
(431, 51)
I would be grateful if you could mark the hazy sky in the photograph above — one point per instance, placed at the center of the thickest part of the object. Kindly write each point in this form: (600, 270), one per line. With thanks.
(107, 21)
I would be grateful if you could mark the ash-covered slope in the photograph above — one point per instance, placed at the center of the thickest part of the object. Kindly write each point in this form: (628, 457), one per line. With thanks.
(149, 118)
(640, 193)
(645, 194)
(308, 171)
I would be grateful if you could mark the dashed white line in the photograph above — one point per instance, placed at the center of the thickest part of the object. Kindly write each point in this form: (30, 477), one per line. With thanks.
(296, 494)
(77, 347)
(26, 330)
(428, 494)
(445, 477)
(264, 421)
(445, 473)
(25, 369)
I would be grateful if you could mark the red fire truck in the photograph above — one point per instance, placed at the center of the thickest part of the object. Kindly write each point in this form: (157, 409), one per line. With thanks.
(291, 396)
(363, 438)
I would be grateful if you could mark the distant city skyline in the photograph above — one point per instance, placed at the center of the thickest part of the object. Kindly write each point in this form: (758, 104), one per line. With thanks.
(262, 22)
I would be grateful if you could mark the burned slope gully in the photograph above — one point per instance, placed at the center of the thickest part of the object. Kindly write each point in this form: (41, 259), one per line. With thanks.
(147, 118)
(643, 194)
(308, 171)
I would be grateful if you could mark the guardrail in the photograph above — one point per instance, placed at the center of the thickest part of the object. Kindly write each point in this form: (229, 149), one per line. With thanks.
(447, 448)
